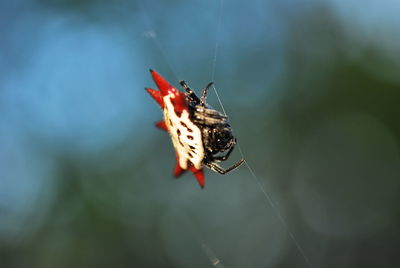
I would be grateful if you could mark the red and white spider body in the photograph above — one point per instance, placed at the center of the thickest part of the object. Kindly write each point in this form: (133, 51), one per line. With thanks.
(186, 136)
(199, 133)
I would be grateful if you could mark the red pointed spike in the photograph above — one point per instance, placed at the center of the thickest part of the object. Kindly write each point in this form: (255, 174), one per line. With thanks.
(179, 102)
(156, 96)
(198, 173)
(178, 98)
(178, 170)
(162, 125)
(164, 86)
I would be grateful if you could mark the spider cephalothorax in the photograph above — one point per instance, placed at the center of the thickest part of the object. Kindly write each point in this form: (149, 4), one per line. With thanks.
(200, 134)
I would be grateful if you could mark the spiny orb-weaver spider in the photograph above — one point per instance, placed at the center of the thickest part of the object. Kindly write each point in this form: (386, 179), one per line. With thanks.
(200, 134)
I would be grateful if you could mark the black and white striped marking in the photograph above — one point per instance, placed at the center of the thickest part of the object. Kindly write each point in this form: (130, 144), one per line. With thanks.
(186, 136)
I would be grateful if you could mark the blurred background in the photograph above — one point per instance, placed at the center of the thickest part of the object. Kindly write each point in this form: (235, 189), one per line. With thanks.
(312, 92)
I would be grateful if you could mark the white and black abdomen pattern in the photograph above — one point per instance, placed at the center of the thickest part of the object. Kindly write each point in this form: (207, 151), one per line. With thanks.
(186, 136)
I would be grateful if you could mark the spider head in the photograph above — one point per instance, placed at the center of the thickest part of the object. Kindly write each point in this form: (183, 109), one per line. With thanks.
(223, 139)
(216, 132)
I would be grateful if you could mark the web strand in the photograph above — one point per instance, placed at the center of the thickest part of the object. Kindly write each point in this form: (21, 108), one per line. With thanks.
(214, 62)
(207, 251)
(219, 100)
(266, 195)
(152, 35)
(275, 209)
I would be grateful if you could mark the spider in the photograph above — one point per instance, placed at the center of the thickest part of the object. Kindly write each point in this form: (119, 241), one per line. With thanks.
(201, 135)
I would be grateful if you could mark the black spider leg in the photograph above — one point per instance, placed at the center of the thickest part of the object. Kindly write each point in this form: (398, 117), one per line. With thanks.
(217, 168)
(204, 94)
(190, 93)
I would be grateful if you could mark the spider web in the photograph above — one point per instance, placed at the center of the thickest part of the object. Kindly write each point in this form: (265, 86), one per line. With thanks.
(211, 255)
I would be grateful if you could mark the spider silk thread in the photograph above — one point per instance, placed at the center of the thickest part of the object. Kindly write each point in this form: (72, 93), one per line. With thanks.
(207, 251)
(258, 181)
